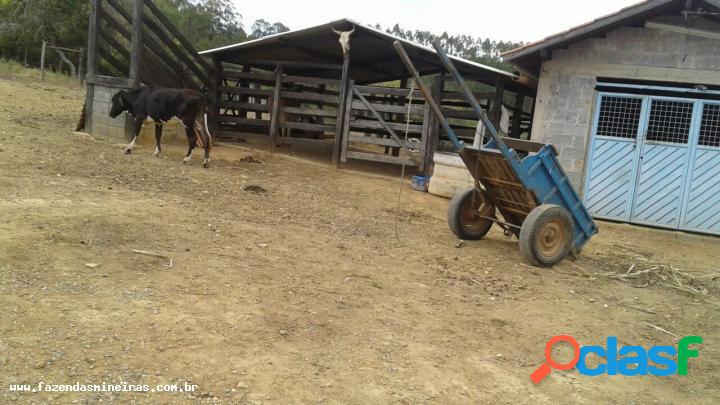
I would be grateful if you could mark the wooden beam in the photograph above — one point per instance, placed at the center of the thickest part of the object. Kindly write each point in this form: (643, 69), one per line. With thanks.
(378, 116)
(275, 113)
(517, 115)
(344, 93)
(214, 106)
(346, 123)
(173, 30)
(137, 42)
(94, 29)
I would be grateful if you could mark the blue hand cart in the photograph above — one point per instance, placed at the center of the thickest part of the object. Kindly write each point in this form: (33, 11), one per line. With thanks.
(533, 194)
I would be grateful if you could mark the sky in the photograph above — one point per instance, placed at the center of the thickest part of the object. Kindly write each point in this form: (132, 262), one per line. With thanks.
(519, 20)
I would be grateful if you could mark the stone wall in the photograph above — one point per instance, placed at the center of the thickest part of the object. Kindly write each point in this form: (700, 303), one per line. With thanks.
(566, 95)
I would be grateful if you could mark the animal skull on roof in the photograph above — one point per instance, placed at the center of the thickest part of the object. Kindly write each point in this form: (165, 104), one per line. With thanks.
(344, 39)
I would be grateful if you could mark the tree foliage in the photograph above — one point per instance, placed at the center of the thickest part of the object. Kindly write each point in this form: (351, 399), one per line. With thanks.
(205, 23)
(262, 28)
(481, 50)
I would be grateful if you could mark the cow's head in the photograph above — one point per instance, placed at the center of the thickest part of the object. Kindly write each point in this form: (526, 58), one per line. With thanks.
(119, 103)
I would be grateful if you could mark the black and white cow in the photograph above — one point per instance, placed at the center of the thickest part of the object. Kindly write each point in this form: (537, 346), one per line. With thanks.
(160, 105)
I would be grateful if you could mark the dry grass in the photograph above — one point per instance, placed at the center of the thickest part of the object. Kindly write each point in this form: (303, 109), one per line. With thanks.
(10, 69)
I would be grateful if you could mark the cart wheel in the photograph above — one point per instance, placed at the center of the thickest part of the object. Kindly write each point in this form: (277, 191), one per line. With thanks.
(463, 215)
(546, 235)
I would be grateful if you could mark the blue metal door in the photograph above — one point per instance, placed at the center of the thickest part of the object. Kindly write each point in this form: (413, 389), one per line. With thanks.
(663, 162)
(614, 154)
(655, 161)
(702, 207)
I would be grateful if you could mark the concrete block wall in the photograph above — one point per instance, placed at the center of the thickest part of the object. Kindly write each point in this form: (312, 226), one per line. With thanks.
(101, 123)
(566, 96)
(115, 128)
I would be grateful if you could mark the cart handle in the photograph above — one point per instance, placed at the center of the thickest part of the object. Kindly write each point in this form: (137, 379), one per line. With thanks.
(457, 143)
(471, 99)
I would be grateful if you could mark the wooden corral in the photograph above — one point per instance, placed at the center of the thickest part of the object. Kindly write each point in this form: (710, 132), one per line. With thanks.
(304, 86)
(297, 87)
(131, 42)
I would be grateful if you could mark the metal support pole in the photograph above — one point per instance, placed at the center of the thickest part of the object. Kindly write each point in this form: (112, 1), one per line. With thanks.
(457, 143)
(471, 99)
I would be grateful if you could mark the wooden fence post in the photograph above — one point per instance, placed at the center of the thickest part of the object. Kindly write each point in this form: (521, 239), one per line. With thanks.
(517, 115)
(137, 42)
(343, 93)
(81, 71)
(275, 113)
(94, 28)
(214, 118)
(42, 61)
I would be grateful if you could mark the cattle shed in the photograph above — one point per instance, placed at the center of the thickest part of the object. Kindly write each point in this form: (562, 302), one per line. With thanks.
(632, 102)
(343, 85)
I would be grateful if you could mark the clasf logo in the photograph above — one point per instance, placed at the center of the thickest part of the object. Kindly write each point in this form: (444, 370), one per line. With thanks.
(627, 360)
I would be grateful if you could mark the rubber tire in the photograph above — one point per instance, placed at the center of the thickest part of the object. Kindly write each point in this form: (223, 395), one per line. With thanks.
(458, 204)
(529, 234)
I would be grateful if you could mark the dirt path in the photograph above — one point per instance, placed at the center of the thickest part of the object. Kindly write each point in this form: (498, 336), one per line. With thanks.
(300, 293)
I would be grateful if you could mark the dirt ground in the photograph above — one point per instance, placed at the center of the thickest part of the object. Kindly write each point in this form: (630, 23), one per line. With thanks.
(301, 293)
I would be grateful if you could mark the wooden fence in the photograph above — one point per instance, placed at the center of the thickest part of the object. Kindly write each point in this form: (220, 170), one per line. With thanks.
(133, 41)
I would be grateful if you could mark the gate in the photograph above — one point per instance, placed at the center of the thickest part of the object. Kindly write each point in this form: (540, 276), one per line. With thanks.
(655, 161)
(375, 124)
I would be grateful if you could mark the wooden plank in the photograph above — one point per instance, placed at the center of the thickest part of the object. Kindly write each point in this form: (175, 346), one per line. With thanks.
(462, 114)
(344, 89)
(309, 111)
(120, 67)
(245, 121)
(392, 91)
(300, 140)
(149, 42)
(115, 44)
(432, 139)
(255, 107)
(378, 116)
(380, 158)
(517, 115)
(309, 96)
(180, 53)
(247, 90)
(456, 95)
(275, 112)
(214, 107)
(136, 42)
(306, 126)
(372, 140)
(237, 74)
(397, 109)
(292, 64)
(346, 123)
(109, 81)
(178, 35)
(94, 30)
(361, 124)
(311, 80)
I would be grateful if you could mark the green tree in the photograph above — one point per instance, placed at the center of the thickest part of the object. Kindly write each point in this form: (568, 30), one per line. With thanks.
(262, 28)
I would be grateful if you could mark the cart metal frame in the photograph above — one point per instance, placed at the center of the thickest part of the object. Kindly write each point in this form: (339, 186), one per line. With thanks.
(515, 186)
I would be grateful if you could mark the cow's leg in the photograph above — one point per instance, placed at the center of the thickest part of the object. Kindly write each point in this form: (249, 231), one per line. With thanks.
(137, 127)
(190, 132)
(205, 137)
(158, 135)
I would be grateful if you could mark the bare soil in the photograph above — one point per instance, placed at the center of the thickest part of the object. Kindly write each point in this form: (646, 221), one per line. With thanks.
(288, 284)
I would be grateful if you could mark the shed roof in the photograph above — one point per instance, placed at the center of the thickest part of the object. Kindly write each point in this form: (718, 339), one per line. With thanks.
(373, 59)
(530, 56)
